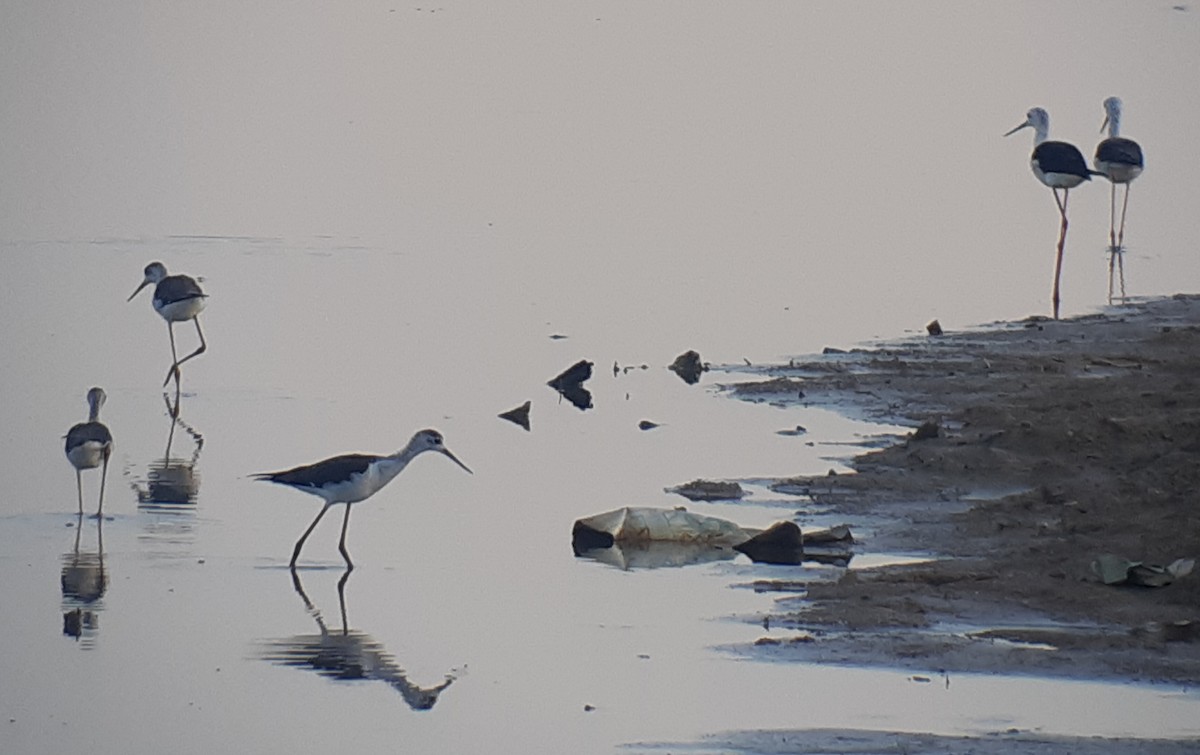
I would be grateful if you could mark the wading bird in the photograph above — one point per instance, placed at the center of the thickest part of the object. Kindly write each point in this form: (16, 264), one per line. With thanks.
(351, 478)
(1121, 161)
(1060, 166)
(177, 298)
(89, 444)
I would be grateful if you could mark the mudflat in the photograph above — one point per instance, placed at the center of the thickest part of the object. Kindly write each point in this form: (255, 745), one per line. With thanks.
(1038, 447)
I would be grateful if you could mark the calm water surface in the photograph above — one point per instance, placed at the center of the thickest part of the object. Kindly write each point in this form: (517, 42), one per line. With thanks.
(394, 210)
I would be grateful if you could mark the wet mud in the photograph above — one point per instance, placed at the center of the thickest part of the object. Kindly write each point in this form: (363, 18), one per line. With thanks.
(1037, 446)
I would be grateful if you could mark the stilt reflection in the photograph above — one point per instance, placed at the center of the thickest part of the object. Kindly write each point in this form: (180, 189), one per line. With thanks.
(174, 481)
(84, 582)
(167, 495)
(347, 654)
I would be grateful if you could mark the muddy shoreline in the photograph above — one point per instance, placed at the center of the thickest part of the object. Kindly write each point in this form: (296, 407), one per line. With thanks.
(1090, 425)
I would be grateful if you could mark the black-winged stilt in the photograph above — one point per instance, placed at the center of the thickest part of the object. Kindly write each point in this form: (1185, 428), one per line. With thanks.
(89, 444)
(1060, 166)
(351, 478)
(1121, 161)
(347, 654)
(177, 298)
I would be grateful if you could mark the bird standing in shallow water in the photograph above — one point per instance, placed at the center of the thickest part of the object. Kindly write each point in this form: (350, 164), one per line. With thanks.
(1121, 161)
(177, 298)
(1060, 166)
(351, 478)
(89, 445)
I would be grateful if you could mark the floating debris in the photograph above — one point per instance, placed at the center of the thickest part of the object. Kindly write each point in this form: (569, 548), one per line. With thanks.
(569, 384)
(1116, 570)
(839, 534)
(797, 430)
(781, 543)
(934, 328)
(619, 370)
(798, 639)
(652, 537)
(519, 416)
(709, 490)
(575, 374)
(688, 367)
(927, 431)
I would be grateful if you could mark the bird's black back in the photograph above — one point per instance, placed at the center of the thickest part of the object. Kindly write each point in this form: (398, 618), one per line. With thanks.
(1060, 157)
(1120, 150)
(176, 288)
(85, 432)
(332, 470)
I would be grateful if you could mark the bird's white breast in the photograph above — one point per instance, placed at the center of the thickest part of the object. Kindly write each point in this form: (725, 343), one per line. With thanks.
(359, 487)
(1056, 180)
(1118, 173)
(180, 311)
(87, 455)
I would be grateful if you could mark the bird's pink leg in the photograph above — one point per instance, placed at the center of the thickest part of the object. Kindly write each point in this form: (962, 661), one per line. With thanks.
(342, 541)
(1062, 238)
(1124, 207)
(307, 532)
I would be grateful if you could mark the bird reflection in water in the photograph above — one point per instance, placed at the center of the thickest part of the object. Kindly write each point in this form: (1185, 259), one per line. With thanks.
(174, 481)
(83, 584)
(347, 654)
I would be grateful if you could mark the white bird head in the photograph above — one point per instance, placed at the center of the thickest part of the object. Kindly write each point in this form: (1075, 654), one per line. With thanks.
(1037, 119)
(431, 440)
(96, 398)
(1112, 116)
(154, 273)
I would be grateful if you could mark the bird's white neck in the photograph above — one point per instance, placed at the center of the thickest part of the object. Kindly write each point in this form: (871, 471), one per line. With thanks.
(93, 409)
(390, 466)
(1114, 123)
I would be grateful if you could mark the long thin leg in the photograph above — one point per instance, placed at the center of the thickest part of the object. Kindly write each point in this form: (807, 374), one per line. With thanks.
(342, 541)
(103, 477)
(202, 348)
(342, 594)
(1124, 207)
(100, 547)
(1112, 266)
(307, 532)
(79, 487)
(1121, 271)
(1112, 217)
(1062, 238)
(173, 410)
(174, 371)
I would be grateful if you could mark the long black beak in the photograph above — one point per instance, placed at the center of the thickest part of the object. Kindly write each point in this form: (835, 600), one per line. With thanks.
(139, 290)
(454, 458)
(1018, 128)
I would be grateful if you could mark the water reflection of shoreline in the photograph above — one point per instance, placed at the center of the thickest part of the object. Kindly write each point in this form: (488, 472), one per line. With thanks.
(83, 581)
(347, 654)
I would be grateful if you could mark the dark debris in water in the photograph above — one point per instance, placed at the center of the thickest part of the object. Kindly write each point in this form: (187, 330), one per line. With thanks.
(569, 384)
(709, 490)
(519, 416)
(688, 367)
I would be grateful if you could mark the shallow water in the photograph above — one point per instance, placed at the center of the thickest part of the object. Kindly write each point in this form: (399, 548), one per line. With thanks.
(462, 577)
(393, 213)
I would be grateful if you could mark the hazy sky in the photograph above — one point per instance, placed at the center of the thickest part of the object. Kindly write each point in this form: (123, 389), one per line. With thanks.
(867, 133)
